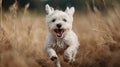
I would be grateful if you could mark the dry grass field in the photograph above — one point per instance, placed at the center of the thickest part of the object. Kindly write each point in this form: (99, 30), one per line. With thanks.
(22, 40)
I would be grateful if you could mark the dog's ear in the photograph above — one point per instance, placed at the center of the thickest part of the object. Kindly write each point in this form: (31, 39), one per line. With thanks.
(70, 11)
(49, 9)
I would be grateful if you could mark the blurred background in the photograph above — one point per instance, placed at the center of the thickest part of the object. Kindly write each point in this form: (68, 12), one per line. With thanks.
(23, 31)
(38, 5)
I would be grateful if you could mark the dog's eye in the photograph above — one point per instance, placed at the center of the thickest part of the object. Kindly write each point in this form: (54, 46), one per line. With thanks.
(53, 20)
(64, 20)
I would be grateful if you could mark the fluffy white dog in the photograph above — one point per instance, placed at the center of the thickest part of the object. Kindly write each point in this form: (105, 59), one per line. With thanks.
(61, 38)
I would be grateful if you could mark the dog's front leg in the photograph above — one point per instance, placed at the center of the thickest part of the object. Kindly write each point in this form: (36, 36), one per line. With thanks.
(53, 56)
(70, 54)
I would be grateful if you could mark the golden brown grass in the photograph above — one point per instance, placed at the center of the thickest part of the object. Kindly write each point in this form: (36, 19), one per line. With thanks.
(22, 40)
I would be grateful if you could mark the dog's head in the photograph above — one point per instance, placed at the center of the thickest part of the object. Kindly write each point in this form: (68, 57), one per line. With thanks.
(59, 22)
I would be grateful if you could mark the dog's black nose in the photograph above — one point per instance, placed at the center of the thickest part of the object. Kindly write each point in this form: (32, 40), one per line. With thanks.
(59, 25)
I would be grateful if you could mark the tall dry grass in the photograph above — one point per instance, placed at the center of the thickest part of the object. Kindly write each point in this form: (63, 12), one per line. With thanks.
(22, 40)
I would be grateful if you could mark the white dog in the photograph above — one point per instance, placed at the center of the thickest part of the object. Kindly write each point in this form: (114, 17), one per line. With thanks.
(61, 37)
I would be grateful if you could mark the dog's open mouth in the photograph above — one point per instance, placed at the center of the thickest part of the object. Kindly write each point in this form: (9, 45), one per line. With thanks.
(59, 32)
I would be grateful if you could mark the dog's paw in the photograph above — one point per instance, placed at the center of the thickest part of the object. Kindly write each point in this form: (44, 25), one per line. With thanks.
(72, 61)
(67, 58)
(53, 58)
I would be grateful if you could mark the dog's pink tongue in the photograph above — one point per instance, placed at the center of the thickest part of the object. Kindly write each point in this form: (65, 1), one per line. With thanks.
(59, 34)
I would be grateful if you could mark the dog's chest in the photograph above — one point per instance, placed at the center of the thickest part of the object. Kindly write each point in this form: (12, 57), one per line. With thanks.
(60, 45)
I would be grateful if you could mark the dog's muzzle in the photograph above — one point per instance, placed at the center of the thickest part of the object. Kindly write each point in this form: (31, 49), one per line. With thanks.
(59, 32)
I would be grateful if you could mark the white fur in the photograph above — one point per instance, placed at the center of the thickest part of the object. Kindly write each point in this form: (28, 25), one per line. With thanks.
(68, 42)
